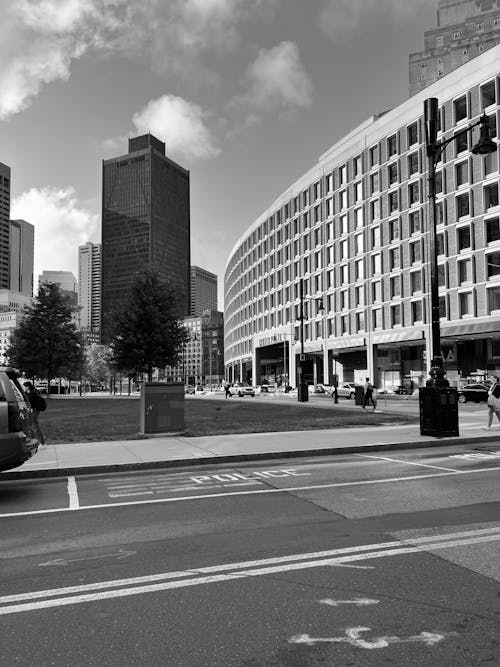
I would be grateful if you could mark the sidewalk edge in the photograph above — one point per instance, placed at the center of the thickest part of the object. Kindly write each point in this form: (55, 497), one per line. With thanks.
(238, 458)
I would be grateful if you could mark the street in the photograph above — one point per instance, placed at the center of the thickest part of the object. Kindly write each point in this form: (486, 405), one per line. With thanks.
(377, 558)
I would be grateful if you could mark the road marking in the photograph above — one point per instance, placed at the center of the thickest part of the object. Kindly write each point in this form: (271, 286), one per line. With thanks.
(233, 571)
(289, 489)
(352, 637)
(73, 494)
(410, 463)
(358, 602)
(64, 561)
(477, 455)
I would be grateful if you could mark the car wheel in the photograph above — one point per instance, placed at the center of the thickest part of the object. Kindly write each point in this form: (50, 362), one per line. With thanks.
(461, 398)
(351, 395)
(240, 394)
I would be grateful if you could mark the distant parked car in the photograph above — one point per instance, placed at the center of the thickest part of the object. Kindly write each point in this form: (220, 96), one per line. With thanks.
(476, 393)
(241, 389)
(189, 389)
(18, 440)
(346, 390)
(316, 389)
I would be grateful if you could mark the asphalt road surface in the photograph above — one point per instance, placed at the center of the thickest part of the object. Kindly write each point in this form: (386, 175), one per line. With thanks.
(375, 559)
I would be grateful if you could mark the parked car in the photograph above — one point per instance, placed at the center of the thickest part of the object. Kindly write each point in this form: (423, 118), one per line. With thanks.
(241, 389)
(18, 439)
(189, 389)
(476, 393)
(346, 390)
(316, 389)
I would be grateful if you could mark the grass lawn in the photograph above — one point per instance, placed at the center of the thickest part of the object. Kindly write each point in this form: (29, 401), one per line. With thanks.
(83, 419)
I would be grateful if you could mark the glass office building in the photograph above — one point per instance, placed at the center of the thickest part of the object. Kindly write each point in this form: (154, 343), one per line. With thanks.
(145, 223)
(355, 229)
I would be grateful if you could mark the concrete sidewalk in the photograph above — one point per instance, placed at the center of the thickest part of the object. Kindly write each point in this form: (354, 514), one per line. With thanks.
(175, 451)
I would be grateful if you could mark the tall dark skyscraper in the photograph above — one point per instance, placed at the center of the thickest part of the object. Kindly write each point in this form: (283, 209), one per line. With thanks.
(145, 223)
(4, 226)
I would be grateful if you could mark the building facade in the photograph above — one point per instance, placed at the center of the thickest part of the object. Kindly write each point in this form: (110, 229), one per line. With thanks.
(145, 223)
(354, 229)
(203, 291)
(89, 289)
(22, 250)
(465, 29)
(4, 226)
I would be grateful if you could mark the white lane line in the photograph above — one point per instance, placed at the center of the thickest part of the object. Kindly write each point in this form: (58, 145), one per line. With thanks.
(229, 494)
(74, 503)
(260, 571)
(410, 463)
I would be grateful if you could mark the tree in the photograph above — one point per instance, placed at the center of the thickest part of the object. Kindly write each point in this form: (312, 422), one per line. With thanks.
(97, 364)
(46, 344)
(147, 333)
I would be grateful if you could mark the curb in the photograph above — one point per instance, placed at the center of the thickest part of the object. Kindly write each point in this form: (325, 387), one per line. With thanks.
(239, 458)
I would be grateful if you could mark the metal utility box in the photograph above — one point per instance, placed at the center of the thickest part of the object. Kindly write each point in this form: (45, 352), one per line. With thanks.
(162, 408)
(359, 395)
(438, 411)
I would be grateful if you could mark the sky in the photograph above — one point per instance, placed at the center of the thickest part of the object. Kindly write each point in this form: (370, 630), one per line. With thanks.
(246, 94)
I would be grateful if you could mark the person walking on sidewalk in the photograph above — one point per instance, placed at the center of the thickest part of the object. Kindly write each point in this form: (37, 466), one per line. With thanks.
(38, 404)
(368, 394)
(493, 403)
(227, 390)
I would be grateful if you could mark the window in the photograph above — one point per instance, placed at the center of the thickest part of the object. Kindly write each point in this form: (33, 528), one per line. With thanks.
(440, 244)
(492, 230)
(317, 190)
(329, 182)
(461, 142)
(373, 156)
(441, 275)
(392, 173)
(396, 315)
(375, 210)
(374, 183)
(360, 321)
(358, 191)
(490, 163)
(359, 269)
(393, 202)
(395, 286)
(413, 193)
(343, 249)
(392, 146)
(493, 264)
(375, 237)
(305, 198)
(343, 199)
(377, 291)
(493, 300)
(416, 281)
(344, 274)
(358, 165)
(461, 174)
(460, 109)
(415, 252)
(416, 312)
(465, 305)
(490, 196)
(412, 134)
(465, 271)
(343, 225)
(344, 300)
(442, 308)
(439, 182)
(462, 205)
(414, 222)
(344, 324)
(358, 218)
(359, 244)
(377, 318)
(343, 175)
(394, 232)
(463, 238)
(487, 93)
(394, 259)
(412, 164)
(359, 293)
(329, 207)
(376, 264)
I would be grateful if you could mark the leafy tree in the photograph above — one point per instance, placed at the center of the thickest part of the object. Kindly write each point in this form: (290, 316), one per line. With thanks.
(46, 344)
(147, 333)
(97, 363)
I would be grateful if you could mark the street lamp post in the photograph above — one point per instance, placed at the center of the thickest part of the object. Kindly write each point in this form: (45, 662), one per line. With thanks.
(437, 395)
(302, 391)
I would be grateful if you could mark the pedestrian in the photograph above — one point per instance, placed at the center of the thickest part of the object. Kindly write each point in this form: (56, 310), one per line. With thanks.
(227, 390)
(493, 402)
(368, 394)
(38, 404)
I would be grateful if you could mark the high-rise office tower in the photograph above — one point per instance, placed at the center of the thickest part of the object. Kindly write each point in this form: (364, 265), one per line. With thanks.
(145, 224)
(4, 225)
(89, 287)
(22, 245)
(66, 281)
(465, 28)
(203, 291)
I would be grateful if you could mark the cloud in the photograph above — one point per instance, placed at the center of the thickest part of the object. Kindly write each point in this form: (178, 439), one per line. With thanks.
(180, 124)
(339, 18)
(61, 225)
(277, 83)
(39, 39)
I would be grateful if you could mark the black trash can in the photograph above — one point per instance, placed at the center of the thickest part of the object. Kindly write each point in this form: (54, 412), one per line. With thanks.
(438, 411)
(359, 395)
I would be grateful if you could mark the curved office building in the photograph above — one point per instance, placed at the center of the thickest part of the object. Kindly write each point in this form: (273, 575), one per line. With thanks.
(354, 231)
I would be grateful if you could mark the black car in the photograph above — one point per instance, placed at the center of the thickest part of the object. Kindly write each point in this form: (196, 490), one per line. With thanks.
(477, 393)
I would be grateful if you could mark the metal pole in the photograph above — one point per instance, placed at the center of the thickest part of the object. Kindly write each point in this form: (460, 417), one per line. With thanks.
(302, 392)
